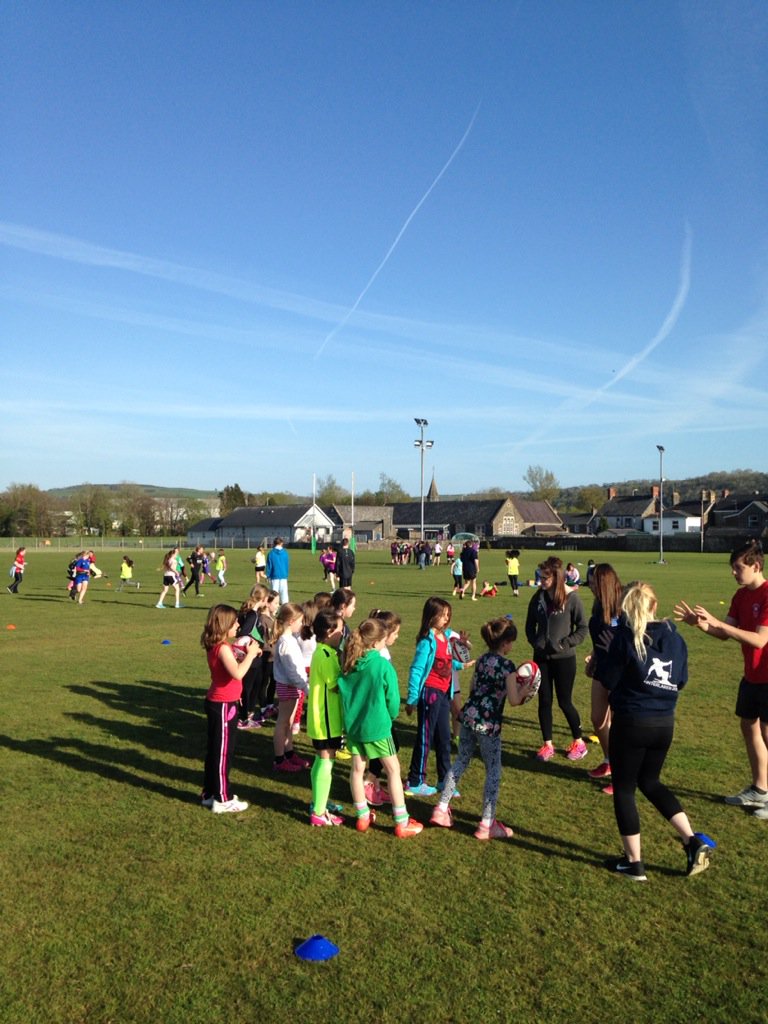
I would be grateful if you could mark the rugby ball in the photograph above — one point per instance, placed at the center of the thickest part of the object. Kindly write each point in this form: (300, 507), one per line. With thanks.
(461, 650)
(240, 646)
(529, 671)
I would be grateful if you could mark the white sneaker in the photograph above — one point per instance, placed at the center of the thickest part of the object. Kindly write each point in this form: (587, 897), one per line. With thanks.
(748, 797)
(229, 806)
(761, 812)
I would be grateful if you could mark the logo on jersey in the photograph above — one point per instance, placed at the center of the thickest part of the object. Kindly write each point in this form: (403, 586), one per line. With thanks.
(659, 675)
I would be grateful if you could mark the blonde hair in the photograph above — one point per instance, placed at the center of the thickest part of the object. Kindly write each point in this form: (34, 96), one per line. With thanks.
(286, 614)
(257, 598)
(639, 606)
(361, 640)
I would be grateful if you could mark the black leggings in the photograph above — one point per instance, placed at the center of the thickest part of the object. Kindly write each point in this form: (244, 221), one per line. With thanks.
(560, 674)
(638, 749)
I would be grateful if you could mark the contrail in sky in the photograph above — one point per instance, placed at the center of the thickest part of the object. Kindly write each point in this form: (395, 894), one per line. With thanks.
(663, 332)
(332, 334)
(669, 321)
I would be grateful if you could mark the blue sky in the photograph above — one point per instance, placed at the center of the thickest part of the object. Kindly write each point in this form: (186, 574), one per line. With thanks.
(248, 242)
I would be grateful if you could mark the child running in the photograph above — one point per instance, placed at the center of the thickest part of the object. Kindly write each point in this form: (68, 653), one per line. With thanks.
(221, 568)
(18, 570)
(221, 705)
(325, 719)
(126, 574)
(290, 675)
(371, 700)
(494, 682)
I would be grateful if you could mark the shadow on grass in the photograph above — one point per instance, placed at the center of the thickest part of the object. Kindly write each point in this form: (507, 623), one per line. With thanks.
(108, 763)
(171, 722)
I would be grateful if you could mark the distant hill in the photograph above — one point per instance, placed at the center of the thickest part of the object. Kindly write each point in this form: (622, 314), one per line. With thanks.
(150, 489)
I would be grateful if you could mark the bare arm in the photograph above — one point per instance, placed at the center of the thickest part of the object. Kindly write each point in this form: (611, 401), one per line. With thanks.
(237, 669)
(517, 692)
(721, 629)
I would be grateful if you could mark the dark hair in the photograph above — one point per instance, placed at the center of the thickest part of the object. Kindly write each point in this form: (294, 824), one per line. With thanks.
(498, 632)
(391, 620)
(750, 553)
(554, 567)
(342, 597)
(513, 553)
(608, 592)
(310, 611)
(325, 622)
(322, 599)
(433, 608)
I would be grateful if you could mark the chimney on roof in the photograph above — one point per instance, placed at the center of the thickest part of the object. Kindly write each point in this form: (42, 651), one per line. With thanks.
(611, 493)
(675, 497)
(655, 491)
(725, 493)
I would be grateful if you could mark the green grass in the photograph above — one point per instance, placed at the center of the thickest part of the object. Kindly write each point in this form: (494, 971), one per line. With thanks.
(122, 901)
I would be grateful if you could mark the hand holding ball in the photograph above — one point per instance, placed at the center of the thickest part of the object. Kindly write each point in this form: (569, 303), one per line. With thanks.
(529, 674)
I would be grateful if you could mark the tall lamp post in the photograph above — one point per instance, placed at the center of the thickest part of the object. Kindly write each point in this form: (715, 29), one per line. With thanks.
(422, 445)
(661, 503)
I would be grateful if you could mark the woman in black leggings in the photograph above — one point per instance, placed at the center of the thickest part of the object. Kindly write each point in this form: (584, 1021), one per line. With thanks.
(644, 665)
(554, 627)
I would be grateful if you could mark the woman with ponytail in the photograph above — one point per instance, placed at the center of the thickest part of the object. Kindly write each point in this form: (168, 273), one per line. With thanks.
(643, 663)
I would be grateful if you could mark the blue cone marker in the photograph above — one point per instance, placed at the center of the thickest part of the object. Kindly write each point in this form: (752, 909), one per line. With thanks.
(317, 947)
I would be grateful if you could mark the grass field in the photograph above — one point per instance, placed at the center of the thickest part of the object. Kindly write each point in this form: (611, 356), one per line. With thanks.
(121, 900)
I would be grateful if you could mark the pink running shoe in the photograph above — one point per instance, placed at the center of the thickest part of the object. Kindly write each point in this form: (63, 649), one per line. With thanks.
(497, 830)
(546, 752)
(373, 795)
(441, 817)
(323, 820)
(294, 758)
(603, 771)
(286, 765)
(577, 750)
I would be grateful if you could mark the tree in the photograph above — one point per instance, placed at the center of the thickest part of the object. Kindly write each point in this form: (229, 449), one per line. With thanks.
(94, 510)
(544, 485)
(390, 491)
(173, 515)
(329, 492)
(588, 498)
(231, 497)
(27, 511)
(135, 510)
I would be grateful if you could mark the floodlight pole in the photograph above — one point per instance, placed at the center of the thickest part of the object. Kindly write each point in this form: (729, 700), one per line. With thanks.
(661, 503)
(422, 445)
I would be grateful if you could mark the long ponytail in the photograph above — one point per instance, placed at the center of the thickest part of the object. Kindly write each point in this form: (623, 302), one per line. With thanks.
(361, 640)
(639, 606)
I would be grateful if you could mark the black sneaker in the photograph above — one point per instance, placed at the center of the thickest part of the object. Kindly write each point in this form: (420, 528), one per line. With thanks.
(634, 870)
(697, 854)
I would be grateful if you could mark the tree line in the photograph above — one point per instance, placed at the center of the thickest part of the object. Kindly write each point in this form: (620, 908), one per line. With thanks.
(127, 509)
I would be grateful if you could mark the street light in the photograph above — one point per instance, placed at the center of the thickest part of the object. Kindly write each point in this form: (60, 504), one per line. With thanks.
(422, 445)
(661, 503)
